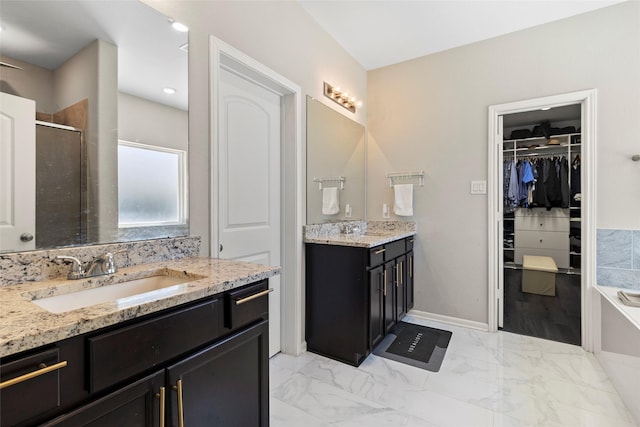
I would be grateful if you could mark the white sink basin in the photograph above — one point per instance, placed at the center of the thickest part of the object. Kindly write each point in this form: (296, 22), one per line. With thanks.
(124, 294)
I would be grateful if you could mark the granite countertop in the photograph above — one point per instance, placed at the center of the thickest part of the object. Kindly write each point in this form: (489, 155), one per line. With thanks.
(24, 325)
(368, 239)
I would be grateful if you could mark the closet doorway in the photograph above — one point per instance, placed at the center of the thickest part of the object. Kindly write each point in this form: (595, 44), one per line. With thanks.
(542, 217)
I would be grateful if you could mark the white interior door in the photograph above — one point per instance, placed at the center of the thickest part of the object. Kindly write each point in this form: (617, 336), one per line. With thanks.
(249, 181)
(17, 173)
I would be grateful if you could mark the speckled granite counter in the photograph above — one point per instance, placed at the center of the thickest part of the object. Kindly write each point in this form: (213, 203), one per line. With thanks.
(372, 233)
(24, 325)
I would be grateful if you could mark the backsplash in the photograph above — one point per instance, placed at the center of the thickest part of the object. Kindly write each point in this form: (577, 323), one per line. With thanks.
(618, 258)
(34, 266)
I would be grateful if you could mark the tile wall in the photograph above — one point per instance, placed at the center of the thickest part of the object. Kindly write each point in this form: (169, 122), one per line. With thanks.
(618, 258)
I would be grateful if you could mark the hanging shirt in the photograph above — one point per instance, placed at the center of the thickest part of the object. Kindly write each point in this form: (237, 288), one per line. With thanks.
(514, 189)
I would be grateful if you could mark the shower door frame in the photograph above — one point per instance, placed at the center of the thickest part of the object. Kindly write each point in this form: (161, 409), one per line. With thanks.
(587, 101)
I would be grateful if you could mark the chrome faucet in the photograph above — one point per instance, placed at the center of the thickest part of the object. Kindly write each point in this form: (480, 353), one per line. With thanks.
(99, 266)
(351, 228)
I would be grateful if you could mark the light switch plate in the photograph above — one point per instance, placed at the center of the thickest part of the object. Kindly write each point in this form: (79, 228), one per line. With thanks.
(478, 187)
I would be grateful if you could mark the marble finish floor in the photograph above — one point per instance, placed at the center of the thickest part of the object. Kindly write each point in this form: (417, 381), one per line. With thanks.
(486, 379)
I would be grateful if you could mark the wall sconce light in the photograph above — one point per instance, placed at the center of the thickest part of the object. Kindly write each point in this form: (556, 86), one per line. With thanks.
(343, 98)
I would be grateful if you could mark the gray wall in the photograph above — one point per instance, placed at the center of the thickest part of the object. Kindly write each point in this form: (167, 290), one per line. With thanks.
(431, 113)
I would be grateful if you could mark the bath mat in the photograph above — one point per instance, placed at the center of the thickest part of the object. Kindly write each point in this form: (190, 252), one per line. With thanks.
(415, 345)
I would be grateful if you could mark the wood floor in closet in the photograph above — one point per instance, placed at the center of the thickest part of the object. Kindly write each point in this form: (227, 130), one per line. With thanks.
(555, 318)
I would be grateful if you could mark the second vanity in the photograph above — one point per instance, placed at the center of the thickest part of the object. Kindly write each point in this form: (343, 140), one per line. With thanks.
(195, 356)
(358, 285)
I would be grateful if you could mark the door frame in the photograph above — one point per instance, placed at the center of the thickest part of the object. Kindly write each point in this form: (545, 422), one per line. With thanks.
(224, 56)
(587, 100)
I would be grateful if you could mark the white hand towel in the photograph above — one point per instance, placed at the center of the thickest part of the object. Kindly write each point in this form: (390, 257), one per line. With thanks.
(403, 199)
(330, 201)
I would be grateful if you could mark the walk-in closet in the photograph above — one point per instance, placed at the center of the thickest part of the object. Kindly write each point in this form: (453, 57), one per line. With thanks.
(542, 223)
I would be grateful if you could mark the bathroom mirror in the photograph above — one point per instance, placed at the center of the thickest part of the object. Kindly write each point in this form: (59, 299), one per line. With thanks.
(335, 158)
(114, 75)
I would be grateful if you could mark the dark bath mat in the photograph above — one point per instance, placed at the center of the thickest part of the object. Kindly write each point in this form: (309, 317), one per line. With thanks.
(415, 345)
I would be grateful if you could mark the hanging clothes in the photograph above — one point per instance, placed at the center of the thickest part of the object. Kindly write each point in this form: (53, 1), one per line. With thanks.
(575, 180)
(514, 188)
(564, 183)
(552, 184)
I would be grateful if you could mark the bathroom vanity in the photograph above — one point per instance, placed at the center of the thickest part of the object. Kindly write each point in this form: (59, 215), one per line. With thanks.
(357, 287)
(197, 355)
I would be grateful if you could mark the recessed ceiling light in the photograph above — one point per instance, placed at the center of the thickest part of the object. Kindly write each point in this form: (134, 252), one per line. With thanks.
(178, 26)
(169, 90)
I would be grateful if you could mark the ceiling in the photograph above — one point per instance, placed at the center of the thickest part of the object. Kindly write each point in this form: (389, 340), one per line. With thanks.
(46, 33)
(385, 32)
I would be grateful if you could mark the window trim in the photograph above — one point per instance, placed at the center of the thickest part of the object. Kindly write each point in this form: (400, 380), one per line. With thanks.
(182, 185)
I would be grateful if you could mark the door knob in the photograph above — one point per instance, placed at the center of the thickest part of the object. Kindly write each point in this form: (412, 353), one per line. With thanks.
(26, 237)
(221, 247)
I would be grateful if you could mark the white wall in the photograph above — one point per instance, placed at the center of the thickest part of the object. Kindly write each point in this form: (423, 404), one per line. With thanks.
(147, 122)
(31, 82)
(92, 74)
(280, 35)
(431, 114)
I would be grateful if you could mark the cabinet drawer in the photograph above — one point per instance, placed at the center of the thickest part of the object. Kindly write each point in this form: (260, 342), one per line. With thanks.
(409, 243)
(542, 239)
(542, 223)
(246, 305)
(30, 395)
(542, 212)
(376, 256)
(394, 249)
(117, 355)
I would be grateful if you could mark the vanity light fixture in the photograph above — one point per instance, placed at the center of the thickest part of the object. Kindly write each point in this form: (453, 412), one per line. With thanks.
(340, 97)
(169, 90)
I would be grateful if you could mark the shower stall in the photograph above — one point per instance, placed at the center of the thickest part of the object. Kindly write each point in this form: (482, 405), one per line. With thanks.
(61, 188)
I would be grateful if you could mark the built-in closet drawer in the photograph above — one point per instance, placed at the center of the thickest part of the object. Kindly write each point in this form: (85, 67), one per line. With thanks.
(543, 239)
(542, 223)
(542, 212)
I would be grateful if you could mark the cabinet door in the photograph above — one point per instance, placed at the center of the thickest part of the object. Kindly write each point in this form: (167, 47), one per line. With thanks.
(136, 405)
(376, 321)
(389, 296)
(226, 384)
(401, 286)
(409, 278)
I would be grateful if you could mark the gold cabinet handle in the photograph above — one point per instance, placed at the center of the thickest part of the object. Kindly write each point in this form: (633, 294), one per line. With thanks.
(178, 388)
(161, 397)
(384, 279)
(397, 268)
(379, 251)
(254, 296)
(411, 266)
(44, 370)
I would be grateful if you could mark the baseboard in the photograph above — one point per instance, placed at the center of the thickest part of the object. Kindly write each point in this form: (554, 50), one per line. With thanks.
(455, 321)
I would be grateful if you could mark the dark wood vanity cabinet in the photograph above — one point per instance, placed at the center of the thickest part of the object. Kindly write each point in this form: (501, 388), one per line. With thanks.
(355, 295)
(187, 362)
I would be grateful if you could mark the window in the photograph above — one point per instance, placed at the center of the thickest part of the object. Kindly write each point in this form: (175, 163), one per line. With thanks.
(151, 185)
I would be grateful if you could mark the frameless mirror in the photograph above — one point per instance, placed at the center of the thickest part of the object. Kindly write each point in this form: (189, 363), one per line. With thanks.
(105, 86)
(335, 166)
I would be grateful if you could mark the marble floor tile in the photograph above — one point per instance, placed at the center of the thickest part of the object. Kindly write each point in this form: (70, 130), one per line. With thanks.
(486, 379)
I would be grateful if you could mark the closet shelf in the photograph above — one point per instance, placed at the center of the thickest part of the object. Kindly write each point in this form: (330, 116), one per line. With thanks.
(539, 138)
